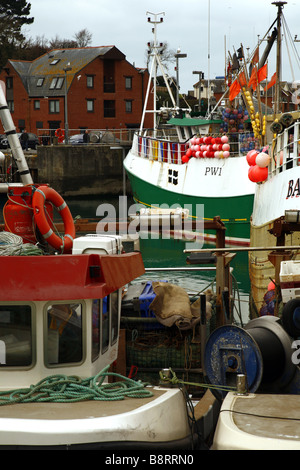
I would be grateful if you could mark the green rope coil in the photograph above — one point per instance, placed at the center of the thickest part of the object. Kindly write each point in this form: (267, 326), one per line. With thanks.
(70, 389)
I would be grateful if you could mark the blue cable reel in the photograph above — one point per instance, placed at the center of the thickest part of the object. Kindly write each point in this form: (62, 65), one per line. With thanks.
(261, 351)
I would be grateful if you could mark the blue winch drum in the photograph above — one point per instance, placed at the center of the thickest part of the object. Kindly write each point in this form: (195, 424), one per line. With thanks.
(261, 351)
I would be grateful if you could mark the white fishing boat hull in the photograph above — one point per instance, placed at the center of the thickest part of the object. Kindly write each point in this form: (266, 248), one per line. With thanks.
(129, 423)
(206, 187)
(258, 422)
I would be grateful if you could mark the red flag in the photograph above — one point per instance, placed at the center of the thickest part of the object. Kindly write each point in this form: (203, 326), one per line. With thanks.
(234, 90)
(255, 57)
(242, 79)
(253, 79)
(262, 73)
(271, 82)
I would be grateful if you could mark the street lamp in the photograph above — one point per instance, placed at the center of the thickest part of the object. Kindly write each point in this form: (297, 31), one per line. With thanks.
(201, 77)
(178, 56)
(66, 69)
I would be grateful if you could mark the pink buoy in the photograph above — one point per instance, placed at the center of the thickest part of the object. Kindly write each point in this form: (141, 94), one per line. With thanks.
(224, 139)
(225, 147)
(262, 160)
(226, 154)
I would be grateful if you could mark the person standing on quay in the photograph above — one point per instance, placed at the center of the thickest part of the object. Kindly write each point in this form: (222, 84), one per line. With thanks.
(24, 140)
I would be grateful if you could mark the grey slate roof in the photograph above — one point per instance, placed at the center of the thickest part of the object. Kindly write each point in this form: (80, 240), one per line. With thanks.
(51, 65)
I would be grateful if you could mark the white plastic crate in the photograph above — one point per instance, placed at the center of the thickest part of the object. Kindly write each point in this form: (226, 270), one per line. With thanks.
(290, 271)
(290, 280)
(99, 244)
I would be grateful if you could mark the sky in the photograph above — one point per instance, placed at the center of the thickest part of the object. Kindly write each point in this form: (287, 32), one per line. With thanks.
(197, 27)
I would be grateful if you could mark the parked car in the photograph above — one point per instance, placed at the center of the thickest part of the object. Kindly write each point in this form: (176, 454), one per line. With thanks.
(33, 141)
(76, 139)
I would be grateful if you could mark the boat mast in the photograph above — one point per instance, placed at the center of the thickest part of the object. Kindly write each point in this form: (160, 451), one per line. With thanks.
(279, 5)
(13, 140)
(156, 62)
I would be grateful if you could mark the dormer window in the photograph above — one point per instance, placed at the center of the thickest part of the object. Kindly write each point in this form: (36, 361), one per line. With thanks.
(54, 61)
(40, 82)
(57, 83)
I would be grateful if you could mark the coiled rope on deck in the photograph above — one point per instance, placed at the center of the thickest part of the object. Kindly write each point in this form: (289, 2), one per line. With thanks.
(12, 245)
(71, 389)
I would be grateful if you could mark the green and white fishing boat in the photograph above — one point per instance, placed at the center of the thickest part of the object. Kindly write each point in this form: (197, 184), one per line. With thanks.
(213, 182)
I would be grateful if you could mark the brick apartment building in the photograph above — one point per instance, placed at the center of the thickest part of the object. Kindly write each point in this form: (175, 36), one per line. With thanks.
(104, 91)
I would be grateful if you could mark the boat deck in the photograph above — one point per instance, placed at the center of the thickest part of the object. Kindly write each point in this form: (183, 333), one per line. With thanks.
(272, 416)
(80, 410)
(258, 422)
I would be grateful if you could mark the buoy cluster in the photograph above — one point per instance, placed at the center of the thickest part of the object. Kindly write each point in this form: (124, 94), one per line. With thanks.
(258, 126)
(207, 147)
(233, 119)
(258, 162)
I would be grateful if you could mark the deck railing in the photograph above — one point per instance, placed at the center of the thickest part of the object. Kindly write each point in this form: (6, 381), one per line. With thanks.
(170, 150)
(285, 150)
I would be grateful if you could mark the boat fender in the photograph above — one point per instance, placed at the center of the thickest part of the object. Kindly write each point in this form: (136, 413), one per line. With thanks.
(41, 195)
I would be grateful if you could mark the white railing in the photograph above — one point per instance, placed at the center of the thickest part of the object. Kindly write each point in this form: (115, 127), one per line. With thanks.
(285, 150)
(96, 136)
(159, 150)
(171, 151)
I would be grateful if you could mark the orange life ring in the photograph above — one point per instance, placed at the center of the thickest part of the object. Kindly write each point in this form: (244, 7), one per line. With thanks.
(60, 134)
(42, 194)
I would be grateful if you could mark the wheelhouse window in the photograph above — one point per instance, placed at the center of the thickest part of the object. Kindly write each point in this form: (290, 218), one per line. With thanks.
(105, 323)
(16, 336)
(64, 334)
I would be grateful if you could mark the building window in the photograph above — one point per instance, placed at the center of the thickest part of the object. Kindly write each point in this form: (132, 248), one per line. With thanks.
(128, 83)
(57, 83)
(90, 81)
(54, 61)
(53, 106)
(37, 104)
(109, 108)
(90, 106)
(11, 105)
(40, 82)
(128, 106)
(9, 83)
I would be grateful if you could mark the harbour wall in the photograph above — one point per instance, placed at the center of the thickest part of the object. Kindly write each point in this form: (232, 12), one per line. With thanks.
(88, 170)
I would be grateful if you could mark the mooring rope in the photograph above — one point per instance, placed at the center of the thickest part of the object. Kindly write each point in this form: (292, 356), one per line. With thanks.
(175, 381)
(70, 389)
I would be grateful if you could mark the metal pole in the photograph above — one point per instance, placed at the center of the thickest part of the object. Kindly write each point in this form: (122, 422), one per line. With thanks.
(66, 69)
(178, 55)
